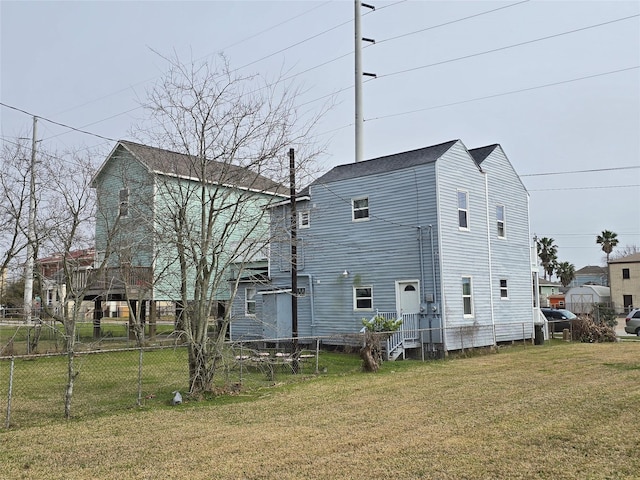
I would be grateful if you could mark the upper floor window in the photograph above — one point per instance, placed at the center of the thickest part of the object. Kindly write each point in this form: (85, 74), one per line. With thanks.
(304, 219)
(501, 221)
(463, 209)
(625, 273)
(363, 298)
(467, 297)
(250, 301)
(124, 202)
(360, 208)
(504, 292)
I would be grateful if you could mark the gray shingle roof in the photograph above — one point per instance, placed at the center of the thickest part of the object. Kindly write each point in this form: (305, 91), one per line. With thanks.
(481, 153)
(177, 164)
(385, 164)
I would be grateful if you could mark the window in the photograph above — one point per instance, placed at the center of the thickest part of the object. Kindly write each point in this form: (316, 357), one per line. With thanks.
(124, 202)
(500, 220)
(360, 209)
(362, 298)
(250, 301)
(304, 218)
(504, 293)
(463, 209)
(625, 273)
(467, 297)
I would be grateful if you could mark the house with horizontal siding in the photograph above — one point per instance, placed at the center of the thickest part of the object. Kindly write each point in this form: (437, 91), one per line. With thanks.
(143, 190)
(624, 275)
(437, 236)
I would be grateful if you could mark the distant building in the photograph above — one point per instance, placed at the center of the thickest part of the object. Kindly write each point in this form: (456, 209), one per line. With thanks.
(548, 290)
(591, 275)
(584, 298)
(624, 274)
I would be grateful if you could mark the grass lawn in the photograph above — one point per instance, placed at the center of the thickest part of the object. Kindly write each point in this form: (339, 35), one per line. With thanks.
(549, 412)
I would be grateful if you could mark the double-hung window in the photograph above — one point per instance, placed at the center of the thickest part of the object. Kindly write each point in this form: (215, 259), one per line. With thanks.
(500, 218)
(463, 210)
(504, 292)
(363, 298)
(360, 209)
(467, 297)
(124, 202)
(250, 301)
(626, 274)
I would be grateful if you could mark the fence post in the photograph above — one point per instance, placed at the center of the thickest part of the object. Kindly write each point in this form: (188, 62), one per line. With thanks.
(9, 395)
(317, 353)
(241, 360)
(139, 402)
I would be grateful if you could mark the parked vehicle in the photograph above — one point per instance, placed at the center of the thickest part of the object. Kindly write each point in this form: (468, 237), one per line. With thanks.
(558, 318)
(632, 322)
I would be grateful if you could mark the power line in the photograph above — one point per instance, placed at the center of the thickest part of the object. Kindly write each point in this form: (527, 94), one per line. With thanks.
(447, 23)
(506, 47)
(57, 123)
(486, 97)
(580, 171)
(581, 188)
(208, 55)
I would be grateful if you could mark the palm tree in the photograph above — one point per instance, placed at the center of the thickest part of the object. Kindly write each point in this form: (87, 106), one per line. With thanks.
(608, 240)
(548, 254)
(566, 272)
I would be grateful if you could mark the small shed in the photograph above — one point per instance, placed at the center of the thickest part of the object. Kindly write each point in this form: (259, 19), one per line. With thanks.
(582, 299)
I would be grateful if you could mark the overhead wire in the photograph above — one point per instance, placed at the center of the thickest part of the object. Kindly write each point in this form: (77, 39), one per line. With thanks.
(506, 47)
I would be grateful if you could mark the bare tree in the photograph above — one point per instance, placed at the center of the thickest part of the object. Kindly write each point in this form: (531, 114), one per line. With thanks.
(14, 206)
(212, 216)
(65, 227)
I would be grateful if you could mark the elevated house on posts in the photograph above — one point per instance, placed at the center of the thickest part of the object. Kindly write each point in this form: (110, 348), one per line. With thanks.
(140, 191)
(437, 236)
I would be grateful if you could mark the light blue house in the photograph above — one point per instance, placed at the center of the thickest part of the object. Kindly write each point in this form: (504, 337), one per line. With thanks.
(147, 192)
(438, 236)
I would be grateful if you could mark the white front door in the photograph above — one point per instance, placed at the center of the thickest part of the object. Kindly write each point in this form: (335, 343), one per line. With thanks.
(407, 296)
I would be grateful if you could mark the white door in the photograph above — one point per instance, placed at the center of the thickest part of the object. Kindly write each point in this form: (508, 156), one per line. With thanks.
(408, 296)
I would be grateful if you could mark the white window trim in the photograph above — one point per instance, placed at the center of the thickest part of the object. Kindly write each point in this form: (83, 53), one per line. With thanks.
(505, 288)
(466, 192)
(355, 299)
(503, 221)
(470, 296)
(353, 210)
(248, 300)
(304, 214)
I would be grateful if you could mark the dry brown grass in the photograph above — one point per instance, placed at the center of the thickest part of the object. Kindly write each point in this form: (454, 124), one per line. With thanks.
(561, 412)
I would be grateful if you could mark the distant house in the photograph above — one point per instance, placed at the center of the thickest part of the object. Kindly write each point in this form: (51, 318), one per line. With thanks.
(584, 298)
(437, 236)
(138, 185)
(592, 275)
(79, 264)
(549, 292)
(624, 275)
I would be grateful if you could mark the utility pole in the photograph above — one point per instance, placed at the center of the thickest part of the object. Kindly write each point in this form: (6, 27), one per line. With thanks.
(294, 255)
(31, 230)
(359, 120)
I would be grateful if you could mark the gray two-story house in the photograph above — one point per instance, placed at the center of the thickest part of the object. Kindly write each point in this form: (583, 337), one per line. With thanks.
(438, 236)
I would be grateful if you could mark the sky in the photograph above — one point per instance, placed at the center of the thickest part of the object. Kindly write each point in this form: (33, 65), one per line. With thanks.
(555, 83)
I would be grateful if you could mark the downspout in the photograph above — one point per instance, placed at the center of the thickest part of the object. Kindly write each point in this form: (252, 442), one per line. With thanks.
(435, 286)
(486, 197)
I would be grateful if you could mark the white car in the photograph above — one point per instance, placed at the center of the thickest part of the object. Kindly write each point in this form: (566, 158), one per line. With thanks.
(632, 322)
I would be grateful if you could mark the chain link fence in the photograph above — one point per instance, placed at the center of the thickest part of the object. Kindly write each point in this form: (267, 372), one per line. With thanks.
(111, 374)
